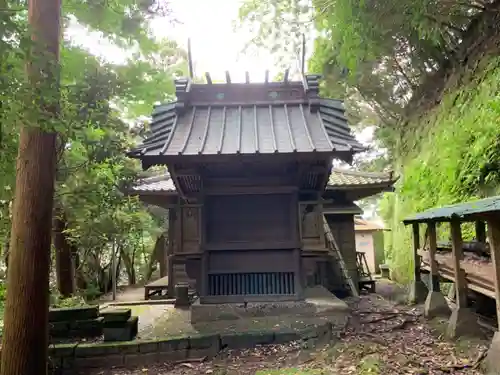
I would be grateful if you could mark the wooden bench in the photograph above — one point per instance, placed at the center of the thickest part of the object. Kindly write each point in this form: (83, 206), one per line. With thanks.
(157, 289)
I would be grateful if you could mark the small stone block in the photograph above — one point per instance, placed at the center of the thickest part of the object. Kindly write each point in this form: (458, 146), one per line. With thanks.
(173, 356)
(86, 324)
(73, 313)
(92, 350)
(436, 305)
(123, 333)
(204, 341)
(283, 337)
(463, 322)
(62, 350)
(207, 353)
(99, 362)
(140, 359)
(173, 344)
(246, 340)
(68, 363)
(181, 295)
(492, 360)
(59, 326)
(116, 315)
(148, 347)
(418, 292)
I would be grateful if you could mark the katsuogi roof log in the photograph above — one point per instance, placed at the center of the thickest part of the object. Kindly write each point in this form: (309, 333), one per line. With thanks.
(247, 118)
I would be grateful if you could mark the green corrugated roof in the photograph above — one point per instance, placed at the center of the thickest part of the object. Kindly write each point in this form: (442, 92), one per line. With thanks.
(460, 210)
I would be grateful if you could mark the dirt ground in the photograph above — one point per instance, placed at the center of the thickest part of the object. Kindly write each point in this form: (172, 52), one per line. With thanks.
(382, 337)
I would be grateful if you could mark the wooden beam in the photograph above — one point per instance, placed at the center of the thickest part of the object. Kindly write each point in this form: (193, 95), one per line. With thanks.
(287, 74)
(208, 78)
(494, 239)
(431, 232)
(457, 255)
(416, 248)
(238, 190)
(480, 231)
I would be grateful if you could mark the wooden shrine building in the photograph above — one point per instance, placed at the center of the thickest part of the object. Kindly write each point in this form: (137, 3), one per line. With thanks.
(249, 163)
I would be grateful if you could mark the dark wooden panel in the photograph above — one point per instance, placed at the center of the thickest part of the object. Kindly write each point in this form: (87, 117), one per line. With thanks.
(251, 261)
(190, 229)
(249, 218)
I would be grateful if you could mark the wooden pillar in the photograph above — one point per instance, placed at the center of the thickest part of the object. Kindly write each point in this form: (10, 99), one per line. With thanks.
(457, 256)
(480, 231)
(434, 276)
(204, 259)
(418, 290)
(416, 248)
(462, 321)
(493, 357)
(435, 303)
(494, 239)
(171, 250)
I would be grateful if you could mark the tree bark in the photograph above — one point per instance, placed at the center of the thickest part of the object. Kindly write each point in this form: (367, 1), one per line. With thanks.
(128, 262)
(65, 272)
(25, 336)
(159, 246)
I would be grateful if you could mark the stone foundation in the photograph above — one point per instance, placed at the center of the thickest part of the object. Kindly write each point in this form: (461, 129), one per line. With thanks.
(318, 302)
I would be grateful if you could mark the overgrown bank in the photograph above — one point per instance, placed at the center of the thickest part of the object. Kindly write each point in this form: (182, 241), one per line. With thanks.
(452, 154)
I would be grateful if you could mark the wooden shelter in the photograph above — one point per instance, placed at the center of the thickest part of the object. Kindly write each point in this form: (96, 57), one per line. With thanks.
(482, 277)
(249, 162)
(342, 188)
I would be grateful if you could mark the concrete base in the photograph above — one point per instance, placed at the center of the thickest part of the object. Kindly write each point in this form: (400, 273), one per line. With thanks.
(436, 305)
(418, 292)
(463, 322)
(318, 302)
(492, 360)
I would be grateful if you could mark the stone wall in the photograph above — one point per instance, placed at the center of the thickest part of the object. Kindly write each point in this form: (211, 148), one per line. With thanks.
(66, 358)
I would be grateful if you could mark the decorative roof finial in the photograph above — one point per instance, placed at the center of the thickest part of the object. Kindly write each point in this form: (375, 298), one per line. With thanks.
(303, 59)
(190, 60)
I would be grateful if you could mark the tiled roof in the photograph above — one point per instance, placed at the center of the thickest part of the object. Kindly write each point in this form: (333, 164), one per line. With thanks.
(155, 184)
(339, 208)
(365, 225)
(346, 177)
(249, 129)
(339, 177)
(459, 211)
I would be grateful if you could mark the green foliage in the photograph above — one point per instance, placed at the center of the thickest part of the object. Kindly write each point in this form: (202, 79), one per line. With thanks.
(57, 301)
(101, 109)
(451, 156)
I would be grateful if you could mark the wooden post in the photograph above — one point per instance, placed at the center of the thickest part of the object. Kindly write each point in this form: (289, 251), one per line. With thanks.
(494, 239)
(457, 255)
(480, 231)
(416, 248)
(435, 303)
(113, 270)
(434, 276)
(418, 290)
(462, 321)
(492, 359)
(171, 250)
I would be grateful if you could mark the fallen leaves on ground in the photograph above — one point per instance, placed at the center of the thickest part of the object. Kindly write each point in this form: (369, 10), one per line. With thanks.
(381, 338)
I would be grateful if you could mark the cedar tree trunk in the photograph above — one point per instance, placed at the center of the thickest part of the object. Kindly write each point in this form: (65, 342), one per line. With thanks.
(64, 260)
(25, 336)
